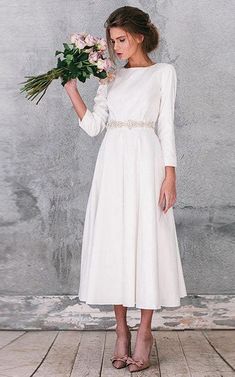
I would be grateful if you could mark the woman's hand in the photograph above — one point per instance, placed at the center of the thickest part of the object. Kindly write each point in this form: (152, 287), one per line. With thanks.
(75, 97)
(71, 86)
(167, 196)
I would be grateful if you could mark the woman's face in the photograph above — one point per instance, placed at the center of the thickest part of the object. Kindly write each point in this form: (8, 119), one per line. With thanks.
(124, 44)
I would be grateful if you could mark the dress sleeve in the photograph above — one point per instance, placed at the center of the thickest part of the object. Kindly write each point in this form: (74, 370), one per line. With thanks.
(93, 122)
(165, 126)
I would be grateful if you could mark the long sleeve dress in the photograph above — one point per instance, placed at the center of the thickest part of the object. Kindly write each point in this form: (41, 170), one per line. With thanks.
(130, 252)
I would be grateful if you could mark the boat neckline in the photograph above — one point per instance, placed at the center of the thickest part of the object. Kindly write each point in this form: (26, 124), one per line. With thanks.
(147, 66)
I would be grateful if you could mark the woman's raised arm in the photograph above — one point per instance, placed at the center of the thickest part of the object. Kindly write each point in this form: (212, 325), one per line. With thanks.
(92, 122)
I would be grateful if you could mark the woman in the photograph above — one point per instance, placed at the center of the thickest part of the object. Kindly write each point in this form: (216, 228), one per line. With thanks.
(130, 255)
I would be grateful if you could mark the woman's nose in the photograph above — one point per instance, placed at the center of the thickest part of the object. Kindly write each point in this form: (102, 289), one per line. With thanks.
(115, 45)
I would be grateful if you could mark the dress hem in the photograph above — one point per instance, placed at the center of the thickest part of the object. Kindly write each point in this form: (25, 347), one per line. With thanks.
(135, 305)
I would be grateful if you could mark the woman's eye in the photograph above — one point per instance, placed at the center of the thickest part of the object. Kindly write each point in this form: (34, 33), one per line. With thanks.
(121, 40)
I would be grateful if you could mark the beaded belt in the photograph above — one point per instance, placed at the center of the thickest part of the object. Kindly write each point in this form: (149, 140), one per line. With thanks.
(130, 123)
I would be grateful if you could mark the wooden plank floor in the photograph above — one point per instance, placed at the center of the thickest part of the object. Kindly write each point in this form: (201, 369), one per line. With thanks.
(183, 353)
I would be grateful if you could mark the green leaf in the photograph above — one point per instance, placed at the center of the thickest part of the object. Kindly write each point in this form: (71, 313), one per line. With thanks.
(89, 69)
(62, 63)
(73, 69)
(59, 63)
(78, 64)
(66, 46)
(58, 52)
(103, 75)
(69, 57)
(82, 79)
(84, 56)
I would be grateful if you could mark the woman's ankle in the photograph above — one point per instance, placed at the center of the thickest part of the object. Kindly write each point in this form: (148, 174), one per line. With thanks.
(122, 329)
(145, 331)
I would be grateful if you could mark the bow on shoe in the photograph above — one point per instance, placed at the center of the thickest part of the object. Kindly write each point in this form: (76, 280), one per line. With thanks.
(123, 358)
(139, 363)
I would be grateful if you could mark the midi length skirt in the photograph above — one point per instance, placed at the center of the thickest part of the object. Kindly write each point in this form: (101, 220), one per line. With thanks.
(130, 252)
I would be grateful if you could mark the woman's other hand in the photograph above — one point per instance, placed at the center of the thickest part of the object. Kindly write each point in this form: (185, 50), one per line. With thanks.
(167, 196)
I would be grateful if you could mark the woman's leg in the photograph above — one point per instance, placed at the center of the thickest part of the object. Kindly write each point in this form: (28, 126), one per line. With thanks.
(146, 321)
(122, 331)
(120, 314)
(144, 337)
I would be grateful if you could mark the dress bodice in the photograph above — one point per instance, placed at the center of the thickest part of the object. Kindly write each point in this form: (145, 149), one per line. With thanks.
(141, 94)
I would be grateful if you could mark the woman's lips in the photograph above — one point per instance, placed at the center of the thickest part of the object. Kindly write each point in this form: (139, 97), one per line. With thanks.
(119, 53)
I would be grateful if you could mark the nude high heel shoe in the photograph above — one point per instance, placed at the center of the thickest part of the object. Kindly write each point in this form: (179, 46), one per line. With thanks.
(140, 364)
(123, 358)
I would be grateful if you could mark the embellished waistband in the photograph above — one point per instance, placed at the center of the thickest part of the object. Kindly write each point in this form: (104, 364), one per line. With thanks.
(130, 123)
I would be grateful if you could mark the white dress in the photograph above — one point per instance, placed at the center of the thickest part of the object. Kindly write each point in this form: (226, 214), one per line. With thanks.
(130, 252)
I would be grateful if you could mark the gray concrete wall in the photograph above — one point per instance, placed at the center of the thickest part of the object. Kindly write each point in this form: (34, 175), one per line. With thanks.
(47, 161)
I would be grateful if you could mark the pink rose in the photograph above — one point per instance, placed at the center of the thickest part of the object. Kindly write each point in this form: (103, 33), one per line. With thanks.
(101, 44)
(108, 64)
(74, 37)
(101, 64)
(90, 40)
(78, 40)
(93, 57)
(83, 34)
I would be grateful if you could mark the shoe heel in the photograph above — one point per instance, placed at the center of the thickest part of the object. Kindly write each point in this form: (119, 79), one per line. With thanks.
(129, 348)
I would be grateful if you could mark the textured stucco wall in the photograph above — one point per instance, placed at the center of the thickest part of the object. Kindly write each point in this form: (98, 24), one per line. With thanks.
(47, 162)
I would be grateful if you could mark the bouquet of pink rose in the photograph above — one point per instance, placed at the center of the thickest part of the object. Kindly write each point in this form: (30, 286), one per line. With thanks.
(83, 57)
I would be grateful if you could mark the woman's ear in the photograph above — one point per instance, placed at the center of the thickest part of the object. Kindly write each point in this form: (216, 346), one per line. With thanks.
(140, 38)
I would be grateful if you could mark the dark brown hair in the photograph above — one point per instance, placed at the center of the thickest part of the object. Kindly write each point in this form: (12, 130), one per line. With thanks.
(134, 21)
